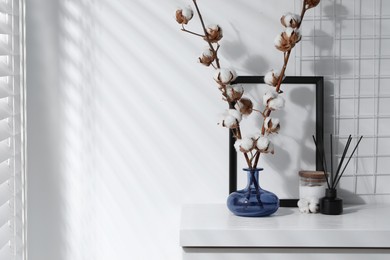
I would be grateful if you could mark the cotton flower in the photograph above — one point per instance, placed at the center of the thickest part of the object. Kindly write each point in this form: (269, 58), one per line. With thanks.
(207, 57)
(264, 145)
(272, 100)
(303, 205)
(272, 77)
(311, 3)
(214, 33)
(184, 15)
(276, 103)
(271, 125)
(234, 93)
(314, 205)
(245, 106)
(268, 96)
(287, 39)
(244, 145)
(231, 118)
(224, 76)
(290, 20)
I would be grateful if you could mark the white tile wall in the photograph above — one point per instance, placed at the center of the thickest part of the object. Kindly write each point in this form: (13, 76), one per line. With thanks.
(348, 42)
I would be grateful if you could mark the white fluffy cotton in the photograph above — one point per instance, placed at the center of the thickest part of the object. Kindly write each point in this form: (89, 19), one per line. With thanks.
(262, 143)
(274, 121)
(314, 205)
(270, 77)
(229, 121)
(303, 205)
(187, 12)
(309, 205)
(231, 91)
(289, 31)
(231, 117)
(207, 52)
(290, 16)
(278, 40)
(271, 94)
(225, 76)
(237, 144)
(246, 144)
(213, 27)
(276, 103)
(236, 114)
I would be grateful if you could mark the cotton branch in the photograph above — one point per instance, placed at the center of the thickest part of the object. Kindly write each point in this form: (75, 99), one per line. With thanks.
(286, 57)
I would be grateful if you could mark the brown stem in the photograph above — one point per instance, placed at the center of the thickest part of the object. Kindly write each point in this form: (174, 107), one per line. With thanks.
(256, 159)
(207, 35)
(286, 58)
(187, 31)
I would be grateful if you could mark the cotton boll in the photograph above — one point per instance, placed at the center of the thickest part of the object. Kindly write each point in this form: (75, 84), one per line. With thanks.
(314, 207)
(207, 57)
(271, 77)
(269, 95)
(271, 125)
(245, 106)
(187, 12)
(287, 39)
(184, 15)
(236, 114)
(229, 121)
(247, 144)
(237, 144)
(231, 118)
(214, 33)
(275, 123)
(303, 205)
(290, 20)
(224, 76)
(278, 40)
(262, 143)
(276, 103)
(234, 93)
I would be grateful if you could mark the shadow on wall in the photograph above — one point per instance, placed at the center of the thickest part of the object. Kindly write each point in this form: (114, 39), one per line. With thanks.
(236, 52)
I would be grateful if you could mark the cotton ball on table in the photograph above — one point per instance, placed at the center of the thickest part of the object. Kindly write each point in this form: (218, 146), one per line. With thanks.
(303, 205)
(314, 205)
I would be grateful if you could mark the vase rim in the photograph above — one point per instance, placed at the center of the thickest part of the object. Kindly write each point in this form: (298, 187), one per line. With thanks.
(253, 169)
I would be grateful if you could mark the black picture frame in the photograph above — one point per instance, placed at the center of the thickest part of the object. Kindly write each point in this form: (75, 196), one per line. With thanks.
(319, 125)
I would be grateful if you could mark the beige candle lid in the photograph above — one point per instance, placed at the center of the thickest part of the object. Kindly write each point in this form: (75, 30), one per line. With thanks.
(312, 174)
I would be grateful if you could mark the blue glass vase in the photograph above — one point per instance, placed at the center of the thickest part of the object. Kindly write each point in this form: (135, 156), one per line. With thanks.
(253, 201)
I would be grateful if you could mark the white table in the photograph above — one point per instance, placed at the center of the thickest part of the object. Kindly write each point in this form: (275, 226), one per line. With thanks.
(211, 232)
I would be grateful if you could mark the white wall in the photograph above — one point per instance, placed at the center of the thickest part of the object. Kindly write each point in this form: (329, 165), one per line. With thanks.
(122, 120)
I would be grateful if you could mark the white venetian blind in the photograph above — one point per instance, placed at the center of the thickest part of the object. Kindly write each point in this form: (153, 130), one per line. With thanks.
(12, 138)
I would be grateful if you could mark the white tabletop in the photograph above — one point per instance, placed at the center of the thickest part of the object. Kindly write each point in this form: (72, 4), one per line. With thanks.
(213, 225)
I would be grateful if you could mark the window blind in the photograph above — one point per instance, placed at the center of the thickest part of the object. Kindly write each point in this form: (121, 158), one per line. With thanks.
(12, 135)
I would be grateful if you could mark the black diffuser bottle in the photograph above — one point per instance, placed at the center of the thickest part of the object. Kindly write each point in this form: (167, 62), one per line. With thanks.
(331, 204)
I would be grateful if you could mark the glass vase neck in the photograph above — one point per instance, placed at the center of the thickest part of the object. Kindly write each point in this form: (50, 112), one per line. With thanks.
(252, 177)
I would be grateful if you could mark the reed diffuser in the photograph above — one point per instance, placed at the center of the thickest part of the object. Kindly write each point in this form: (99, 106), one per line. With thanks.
(331, 204)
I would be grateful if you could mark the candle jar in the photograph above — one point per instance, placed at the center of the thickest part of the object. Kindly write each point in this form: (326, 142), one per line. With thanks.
(312, 186)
